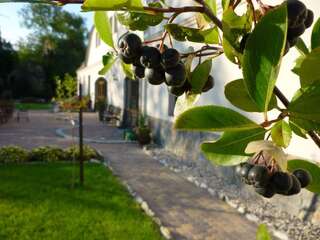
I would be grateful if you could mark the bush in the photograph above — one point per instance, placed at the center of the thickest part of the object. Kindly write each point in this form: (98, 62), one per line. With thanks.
(48, 154)
(88, 153)
(13, 154)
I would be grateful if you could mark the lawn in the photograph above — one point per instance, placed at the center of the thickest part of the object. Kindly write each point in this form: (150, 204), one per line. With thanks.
(33, 106)
(38, 202)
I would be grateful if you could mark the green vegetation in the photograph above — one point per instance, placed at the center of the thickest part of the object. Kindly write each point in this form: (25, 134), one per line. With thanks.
(33, 106)
(38, 202)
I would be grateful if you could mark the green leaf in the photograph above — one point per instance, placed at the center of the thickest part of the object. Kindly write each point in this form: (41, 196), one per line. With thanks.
(212, 5)
(308, 68)
(297, 130)
(238, 95)
(315, 37)
(312, 168)
(307, 125)
(103, 27)
(140, 21)
(213, 118)
(281, 134)
(181, 33)
(225, 4)
(200, 75)
(262, 233)
(263, 54)
(306, 104)
(302, 47)
(127, 69)
(234, 27)
(229, 149)
(108, 60)
(114, 5)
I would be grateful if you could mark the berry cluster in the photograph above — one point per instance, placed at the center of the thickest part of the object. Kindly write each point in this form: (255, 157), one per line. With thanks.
(156, 67)
(299, 19)
(267, 183)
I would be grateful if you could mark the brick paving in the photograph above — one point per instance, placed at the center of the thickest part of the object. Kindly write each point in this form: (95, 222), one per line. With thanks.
(186, 210)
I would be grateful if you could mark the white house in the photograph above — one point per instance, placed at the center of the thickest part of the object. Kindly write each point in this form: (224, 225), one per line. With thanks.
(157, 104)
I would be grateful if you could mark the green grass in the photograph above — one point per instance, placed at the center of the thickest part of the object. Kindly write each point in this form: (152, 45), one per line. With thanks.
(33, 106)
(37, 202)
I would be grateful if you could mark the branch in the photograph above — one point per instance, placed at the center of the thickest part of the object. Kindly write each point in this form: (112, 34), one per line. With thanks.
(210, 14)
(286, 102)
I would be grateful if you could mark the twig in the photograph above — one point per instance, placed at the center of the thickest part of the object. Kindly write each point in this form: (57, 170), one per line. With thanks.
(286, 102)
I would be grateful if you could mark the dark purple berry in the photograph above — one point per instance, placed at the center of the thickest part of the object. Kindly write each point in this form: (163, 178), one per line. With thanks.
(296, 186)
(281, 181)
(154, 76)
(130, 45)
(176, 76)
(296, 31)
(303, 176)
(259, 176)
(209, 84)
(309, 20)
(170, 58)
(138, 71)
(150, 57)
(267, 192)
(245, 170)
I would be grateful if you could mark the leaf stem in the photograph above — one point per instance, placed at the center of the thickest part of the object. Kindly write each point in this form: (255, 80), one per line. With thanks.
(286, 103)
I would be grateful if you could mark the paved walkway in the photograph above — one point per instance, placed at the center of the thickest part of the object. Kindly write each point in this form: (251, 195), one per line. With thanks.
(187, 211)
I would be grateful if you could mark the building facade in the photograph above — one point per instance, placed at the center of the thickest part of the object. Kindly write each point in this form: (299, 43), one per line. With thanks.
(157, 104)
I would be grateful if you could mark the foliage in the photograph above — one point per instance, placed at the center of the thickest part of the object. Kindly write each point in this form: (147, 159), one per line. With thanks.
(33, 106)
(13, 154)
(48, 154)
(56, 44)
(8, 60)
(66, 87)
(88, 153)
(73, 103)
(39, 202)
(262, 233)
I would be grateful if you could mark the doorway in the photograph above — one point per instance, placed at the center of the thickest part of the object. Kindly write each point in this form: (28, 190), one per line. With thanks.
(131, 103)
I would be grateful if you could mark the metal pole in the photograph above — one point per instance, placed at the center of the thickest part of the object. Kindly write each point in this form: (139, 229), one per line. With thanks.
(81, 136)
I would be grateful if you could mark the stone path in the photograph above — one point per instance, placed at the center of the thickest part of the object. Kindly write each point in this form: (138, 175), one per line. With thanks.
(187, 211)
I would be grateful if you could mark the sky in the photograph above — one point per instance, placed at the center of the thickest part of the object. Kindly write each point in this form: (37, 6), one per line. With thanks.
(10, 21)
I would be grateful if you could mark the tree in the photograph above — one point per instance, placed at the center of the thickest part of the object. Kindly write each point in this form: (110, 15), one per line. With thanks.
(57, 43)
(8, 61)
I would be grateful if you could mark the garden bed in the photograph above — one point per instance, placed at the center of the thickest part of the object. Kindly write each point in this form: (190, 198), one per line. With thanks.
(41, 201)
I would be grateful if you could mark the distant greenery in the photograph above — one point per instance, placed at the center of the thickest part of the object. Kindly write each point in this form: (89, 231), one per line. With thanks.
(33, 106)
(38, 202)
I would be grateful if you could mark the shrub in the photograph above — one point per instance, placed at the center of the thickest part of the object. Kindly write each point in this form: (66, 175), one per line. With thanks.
(13, 154)
(48, 154)
(88, 153)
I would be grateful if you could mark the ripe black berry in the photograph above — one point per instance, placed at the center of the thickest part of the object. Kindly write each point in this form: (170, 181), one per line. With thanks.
(303, 176)
(138, 71)
(296, 31)
(309, 19)
(259, 176)
(267, 192)
(296, 186)
(150, 57)
(176, 76)
(170, 58)
(281, 181)
(177, 91)
(125, 59)
(238, 169)
(209, 84)
(130, 45)
(295, 9)
(245, 168)
(154, 76)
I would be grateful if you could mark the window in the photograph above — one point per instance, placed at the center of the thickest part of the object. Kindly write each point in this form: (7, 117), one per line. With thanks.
(98, 40)
(171, 104)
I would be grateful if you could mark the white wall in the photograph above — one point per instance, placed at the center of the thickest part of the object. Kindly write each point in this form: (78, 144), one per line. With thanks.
(156, 104)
